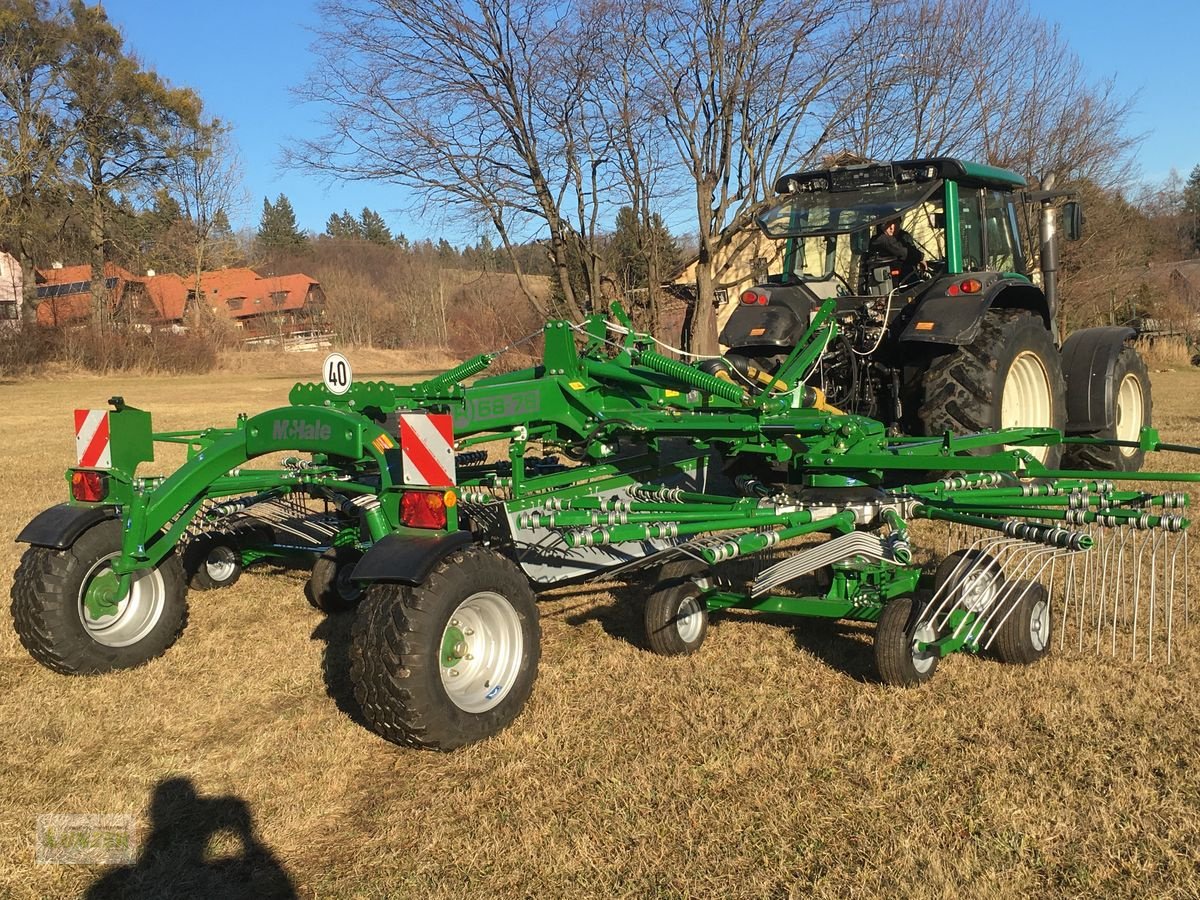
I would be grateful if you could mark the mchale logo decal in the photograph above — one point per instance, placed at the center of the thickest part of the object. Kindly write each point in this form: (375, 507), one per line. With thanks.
(299, 430)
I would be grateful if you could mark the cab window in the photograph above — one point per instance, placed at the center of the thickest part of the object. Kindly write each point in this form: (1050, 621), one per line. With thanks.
(1000, 251)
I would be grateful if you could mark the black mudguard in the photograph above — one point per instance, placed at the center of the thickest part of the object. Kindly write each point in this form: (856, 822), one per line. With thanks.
(60, 526)
(408, 560)
(1089, 357)
(942, 319)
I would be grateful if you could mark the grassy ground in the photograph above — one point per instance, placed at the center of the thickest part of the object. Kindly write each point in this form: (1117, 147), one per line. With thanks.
(770, 764)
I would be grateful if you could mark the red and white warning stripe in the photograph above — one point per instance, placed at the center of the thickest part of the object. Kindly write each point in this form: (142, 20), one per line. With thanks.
(91, 438)
(427, 449)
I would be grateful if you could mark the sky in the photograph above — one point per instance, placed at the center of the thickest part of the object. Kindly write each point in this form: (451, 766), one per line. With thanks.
(244, 57)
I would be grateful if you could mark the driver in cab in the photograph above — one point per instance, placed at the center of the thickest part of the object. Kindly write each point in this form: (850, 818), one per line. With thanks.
(893, 241)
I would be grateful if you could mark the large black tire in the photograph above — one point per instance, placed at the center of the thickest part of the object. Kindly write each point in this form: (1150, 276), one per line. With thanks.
(212, 560)
(329, 587)
(676, 620)
(1131, 396)
(897, 660)
(1024, 637)
(1014, 354)
(474, 614)
(55, 627)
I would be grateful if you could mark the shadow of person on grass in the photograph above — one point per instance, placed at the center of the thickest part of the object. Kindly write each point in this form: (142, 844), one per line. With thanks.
(175, 860)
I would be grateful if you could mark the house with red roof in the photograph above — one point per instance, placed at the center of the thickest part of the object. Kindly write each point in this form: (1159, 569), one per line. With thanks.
(65, 295)
(260, 306)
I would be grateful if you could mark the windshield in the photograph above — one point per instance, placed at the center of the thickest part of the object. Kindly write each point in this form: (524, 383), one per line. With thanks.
(835, 212)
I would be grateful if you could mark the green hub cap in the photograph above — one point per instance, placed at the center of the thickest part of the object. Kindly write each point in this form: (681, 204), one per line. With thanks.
(100, 597)
(454, 647)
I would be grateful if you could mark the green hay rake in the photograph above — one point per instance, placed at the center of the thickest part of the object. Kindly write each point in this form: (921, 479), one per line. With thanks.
(443, 506)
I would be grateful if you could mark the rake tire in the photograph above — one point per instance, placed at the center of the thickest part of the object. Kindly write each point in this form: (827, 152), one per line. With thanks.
(403, 636)
(212, 560)
(329, 587)
(896, 659)
(676, 621)
(1024, 637)
(51, 621)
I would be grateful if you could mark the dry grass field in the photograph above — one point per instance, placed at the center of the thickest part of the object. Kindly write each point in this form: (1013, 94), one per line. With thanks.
(770, 764)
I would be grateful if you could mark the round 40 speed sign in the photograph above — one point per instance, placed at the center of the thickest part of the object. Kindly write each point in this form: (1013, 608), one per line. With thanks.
(337, 372)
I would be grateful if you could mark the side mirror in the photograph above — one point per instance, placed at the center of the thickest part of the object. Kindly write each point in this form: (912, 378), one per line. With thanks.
(1073, 220)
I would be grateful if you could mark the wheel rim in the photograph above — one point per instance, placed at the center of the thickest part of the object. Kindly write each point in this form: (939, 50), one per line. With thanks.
(221, 563)
(1130, 412)
(1039, 625)
(481, 652)
(348, 589)
(135, 616)
(689, 620)
(979, 589)
(1026, 400)
(924, 660)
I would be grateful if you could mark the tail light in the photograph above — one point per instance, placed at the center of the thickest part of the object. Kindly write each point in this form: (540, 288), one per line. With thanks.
(750, 298)
(89, 487)
(425, 509)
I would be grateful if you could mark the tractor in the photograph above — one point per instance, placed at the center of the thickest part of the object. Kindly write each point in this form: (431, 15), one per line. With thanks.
(961, 342)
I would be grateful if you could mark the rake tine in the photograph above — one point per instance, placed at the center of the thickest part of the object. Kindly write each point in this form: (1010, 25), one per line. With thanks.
(1137, 590)
(1068, 587)
(1118, 599)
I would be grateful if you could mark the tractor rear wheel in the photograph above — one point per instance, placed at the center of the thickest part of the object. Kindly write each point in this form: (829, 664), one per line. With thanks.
(1009, 375)
(1132, 402)
(897, 634)
(330, 588)
(676, 618)
(56, 625)
(451, 661)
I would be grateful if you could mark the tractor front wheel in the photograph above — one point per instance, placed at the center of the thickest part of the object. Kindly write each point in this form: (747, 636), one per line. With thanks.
(676, 618)
(897, 636)
(451, 661)
(57, 618)
(1010, 375)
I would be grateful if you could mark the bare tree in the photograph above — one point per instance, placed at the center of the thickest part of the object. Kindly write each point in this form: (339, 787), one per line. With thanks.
(478, 107)
(205, 179)
(739, 87)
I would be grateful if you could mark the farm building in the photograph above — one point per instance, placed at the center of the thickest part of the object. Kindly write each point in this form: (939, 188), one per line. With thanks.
(11, 282)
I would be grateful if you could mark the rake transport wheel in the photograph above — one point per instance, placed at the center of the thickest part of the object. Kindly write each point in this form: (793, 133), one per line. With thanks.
(676, 618)
(1009, 375)
(451, 661)
(53, 621)
(329, 587)
(975, 580)
(1132, 401)
(212, 560)
(897, 658)
(1024, 637)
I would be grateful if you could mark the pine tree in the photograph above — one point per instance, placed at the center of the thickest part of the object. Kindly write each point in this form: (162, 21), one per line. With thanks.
(633, 246)
(373, 228)
(277, 229)
(1191, 209)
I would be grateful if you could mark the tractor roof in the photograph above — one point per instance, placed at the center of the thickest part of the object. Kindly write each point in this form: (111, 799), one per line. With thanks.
(841, 178)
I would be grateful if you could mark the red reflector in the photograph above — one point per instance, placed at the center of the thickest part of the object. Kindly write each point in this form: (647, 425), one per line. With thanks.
(423, 509)
(749, 297)
(763, 299)
(952, 290)
(895, 273)
(971, 286)
(89, 487)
